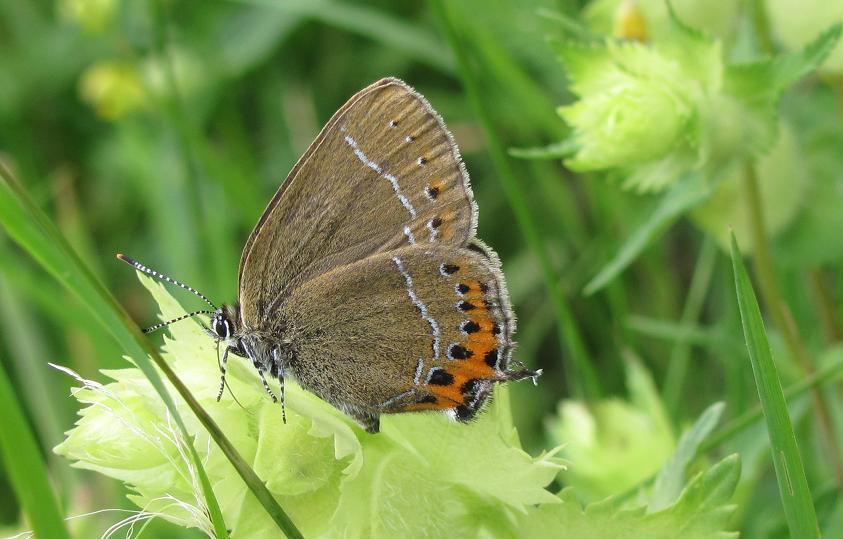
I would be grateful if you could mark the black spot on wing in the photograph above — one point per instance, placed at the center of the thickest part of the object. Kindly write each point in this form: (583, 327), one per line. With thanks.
(441, 378)
(456, 351)
(491, 358)
(470, 326)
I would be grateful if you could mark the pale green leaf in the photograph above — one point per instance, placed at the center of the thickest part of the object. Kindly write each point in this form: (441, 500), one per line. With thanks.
(423, 474)
(702, 511)
(671, 477)
(613, 444)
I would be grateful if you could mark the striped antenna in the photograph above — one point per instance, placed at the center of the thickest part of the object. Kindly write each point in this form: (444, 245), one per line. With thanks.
(156, 327)
(149, 271)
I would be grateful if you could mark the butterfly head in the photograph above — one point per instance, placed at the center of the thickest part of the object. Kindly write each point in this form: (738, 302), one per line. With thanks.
(225, 323)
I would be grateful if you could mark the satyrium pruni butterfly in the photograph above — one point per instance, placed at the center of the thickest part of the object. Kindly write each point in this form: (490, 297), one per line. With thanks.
(363, 280)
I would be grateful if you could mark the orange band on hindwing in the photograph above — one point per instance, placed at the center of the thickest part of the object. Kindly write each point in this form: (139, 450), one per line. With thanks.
(462, 381)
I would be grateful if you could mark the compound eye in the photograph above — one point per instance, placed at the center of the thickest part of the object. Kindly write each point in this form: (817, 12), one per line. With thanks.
(221, 327)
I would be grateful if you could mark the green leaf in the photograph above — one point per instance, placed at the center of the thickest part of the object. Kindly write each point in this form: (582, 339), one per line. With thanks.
(830, 372)
(670, 479)
(700, 56)
(32, 229)
(422, 475)
(557, 150)
(429, 478)
(588, 65)
(614, 444)
(27, 470)
(572, 27)
(796, 23)
(688, 192)
(763, 82)
(758, 86)
(376, 24)
(793, 485)
(701, 512)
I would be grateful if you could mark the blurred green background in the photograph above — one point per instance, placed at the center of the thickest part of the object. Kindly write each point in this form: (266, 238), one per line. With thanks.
(161, 128)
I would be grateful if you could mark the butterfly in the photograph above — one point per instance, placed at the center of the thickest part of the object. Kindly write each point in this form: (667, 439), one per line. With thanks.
(363, 279)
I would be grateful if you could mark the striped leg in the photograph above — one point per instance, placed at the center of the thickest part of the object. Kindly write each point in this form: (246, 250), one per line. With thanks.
(266, 387)
(280, 367)
(283, 399)
(222, 372)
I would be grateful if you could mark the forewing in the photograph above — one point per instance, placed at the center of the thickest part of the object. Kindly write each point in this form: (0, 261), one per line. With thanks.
(417, 328)
(384, 172)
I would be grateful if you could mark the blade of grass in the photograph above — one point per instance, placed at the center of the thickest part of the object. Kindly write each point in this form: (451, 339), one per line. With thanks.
(827, 374)
(34, 231)
(177, 118)
(824, 375)
(688, 192)
(557, 150)
(372, 23)
(680, 355)
(27, 354)
(586, 381)
(569, 26)
(695, 335)
(782, 318)
(793, 485)
(26, 469)
(46, 297)
(826, 308)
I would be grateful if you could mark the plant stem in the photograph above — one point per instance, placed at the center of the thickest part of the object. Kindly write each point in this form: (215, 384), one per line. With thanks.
(680, 355)
(782, 318)
(585, 382)
(181, 124)
(762, 26)
(64, 263)
(814, 381)
(818, 379)
(825, 305)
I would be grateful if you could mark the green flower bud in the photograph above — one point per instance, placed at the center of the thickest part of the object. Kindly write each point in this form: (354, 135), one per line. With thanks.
(649, 114)
(715, 17)
(613, 445)
(638, 107)
(92, 15)
(114, 89)
(639, 120)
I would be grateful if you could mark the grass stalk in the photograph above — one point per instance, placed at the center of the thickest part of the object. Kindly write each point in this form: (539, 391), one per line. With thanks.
(826, 375)
(27, 470)
(585, 381)
(758, 12)
(34, 231)
(782, 319)
(177, 117)
(27, 362)
(790, 473)
(815, 380)
(828, 312)
(680, 355)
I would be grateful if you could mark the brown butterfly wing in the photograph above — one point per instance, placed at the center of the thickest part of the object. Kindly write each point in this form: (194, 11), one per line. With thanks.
(384, 172)
(423, 327)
